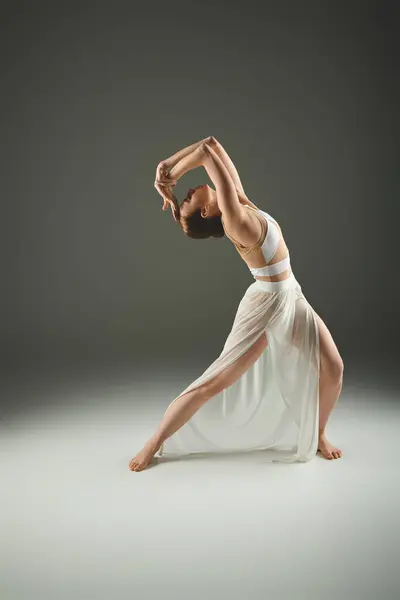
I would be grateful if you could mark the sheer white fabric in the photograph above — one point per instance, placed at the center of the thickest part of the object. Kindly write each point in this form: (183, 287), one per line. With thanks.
(274, 405)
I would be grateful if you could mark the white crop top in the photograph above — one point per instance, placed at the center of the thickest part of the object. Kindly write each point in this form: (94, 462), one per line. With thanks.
(269, 247)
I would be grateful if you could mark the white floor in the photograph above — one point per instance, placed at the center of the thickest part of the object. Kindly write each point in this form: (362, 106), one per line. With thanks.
(76, 523)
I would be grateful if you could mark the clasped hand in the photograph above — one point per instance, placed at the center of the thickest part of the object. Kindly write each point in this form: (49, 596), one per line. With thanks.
(164, 184)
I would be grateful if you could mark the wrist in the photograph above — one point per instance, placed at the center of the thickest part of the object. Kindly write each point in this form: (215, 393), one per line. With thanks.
(166, 164)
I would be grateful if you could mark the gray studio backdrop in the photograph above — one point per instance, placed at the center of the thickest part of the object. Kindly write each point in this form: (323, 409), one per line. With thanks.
(302, 97)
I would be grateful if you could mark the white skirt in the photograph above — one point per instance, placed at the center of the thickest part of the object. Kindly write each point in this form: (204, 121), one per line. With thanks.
(274, 405)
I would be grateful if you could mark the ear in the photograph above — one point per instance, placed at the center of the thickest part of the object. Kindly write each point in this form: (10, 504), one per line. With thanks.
(204, 212)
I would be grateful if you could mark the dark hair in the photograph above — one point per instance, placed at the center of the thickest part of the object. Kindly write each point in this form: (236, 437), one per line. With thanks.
(197, 227)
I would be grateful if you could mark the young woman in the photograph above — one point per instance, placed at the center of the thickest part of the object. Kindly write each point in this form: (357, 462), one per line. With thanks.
(280, 374)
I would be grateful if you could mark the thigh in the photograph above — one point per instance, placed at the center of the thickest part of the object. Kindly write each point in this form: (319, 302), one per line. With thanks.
(232, 373)
(330, 359)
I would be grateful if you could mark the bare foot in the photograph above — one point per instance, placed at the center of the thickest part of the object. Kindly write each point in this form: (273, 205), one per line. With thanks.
(327, 450)
(144, 458)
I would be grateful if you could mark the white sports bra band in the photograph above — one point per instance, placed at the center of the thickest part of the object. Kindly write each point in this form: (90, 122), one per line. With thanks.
(274, 269)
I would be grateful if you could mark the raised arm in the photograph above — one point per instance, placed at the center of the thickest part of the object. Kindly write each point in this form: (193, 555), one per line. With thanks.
(219, 150)
(170, 162)
(223, 155)
(227, 197)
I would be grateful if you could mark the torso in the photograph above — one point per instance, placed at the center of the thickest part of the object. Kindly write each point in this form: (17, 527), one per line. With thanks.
(249, 234)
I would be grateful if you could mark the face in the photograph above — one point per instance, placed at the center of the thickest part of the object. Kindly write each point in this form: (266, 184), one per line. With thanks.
(196, 198)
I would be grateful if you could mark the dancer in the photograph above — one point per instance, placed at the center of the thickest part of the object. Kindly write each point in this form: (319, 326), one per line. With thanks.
(280, 374)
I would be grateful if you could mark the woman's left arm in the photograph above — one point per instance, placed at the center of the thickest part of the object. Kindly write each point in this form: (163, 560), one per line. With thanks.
(170, 162)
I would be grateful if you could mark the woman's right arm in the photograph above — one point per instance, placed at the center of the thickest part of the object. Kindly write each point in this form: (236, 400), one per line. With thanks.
(224, 156)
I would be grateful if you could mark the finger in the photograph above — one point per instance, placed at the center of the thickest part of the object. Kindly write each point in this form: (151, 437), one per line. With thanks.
(165, 203)
(168, 199)
(168, 194)
(161, 190)
(175, 212)
(161, 187)
(166, 181)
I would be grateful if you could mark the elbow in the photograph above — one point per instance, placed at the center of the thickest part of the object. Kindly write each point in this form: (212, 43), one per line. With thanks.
(212, 141)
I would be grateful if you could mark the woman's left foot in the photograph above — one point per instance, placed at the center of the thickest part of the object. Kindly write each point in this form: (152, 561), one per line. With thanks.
(144, 458)
(327, 450)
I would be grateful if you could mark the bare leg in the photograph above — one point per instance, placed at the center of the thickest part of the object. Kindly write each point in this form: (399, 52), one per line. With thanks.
(185, 406)
(330, 386)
